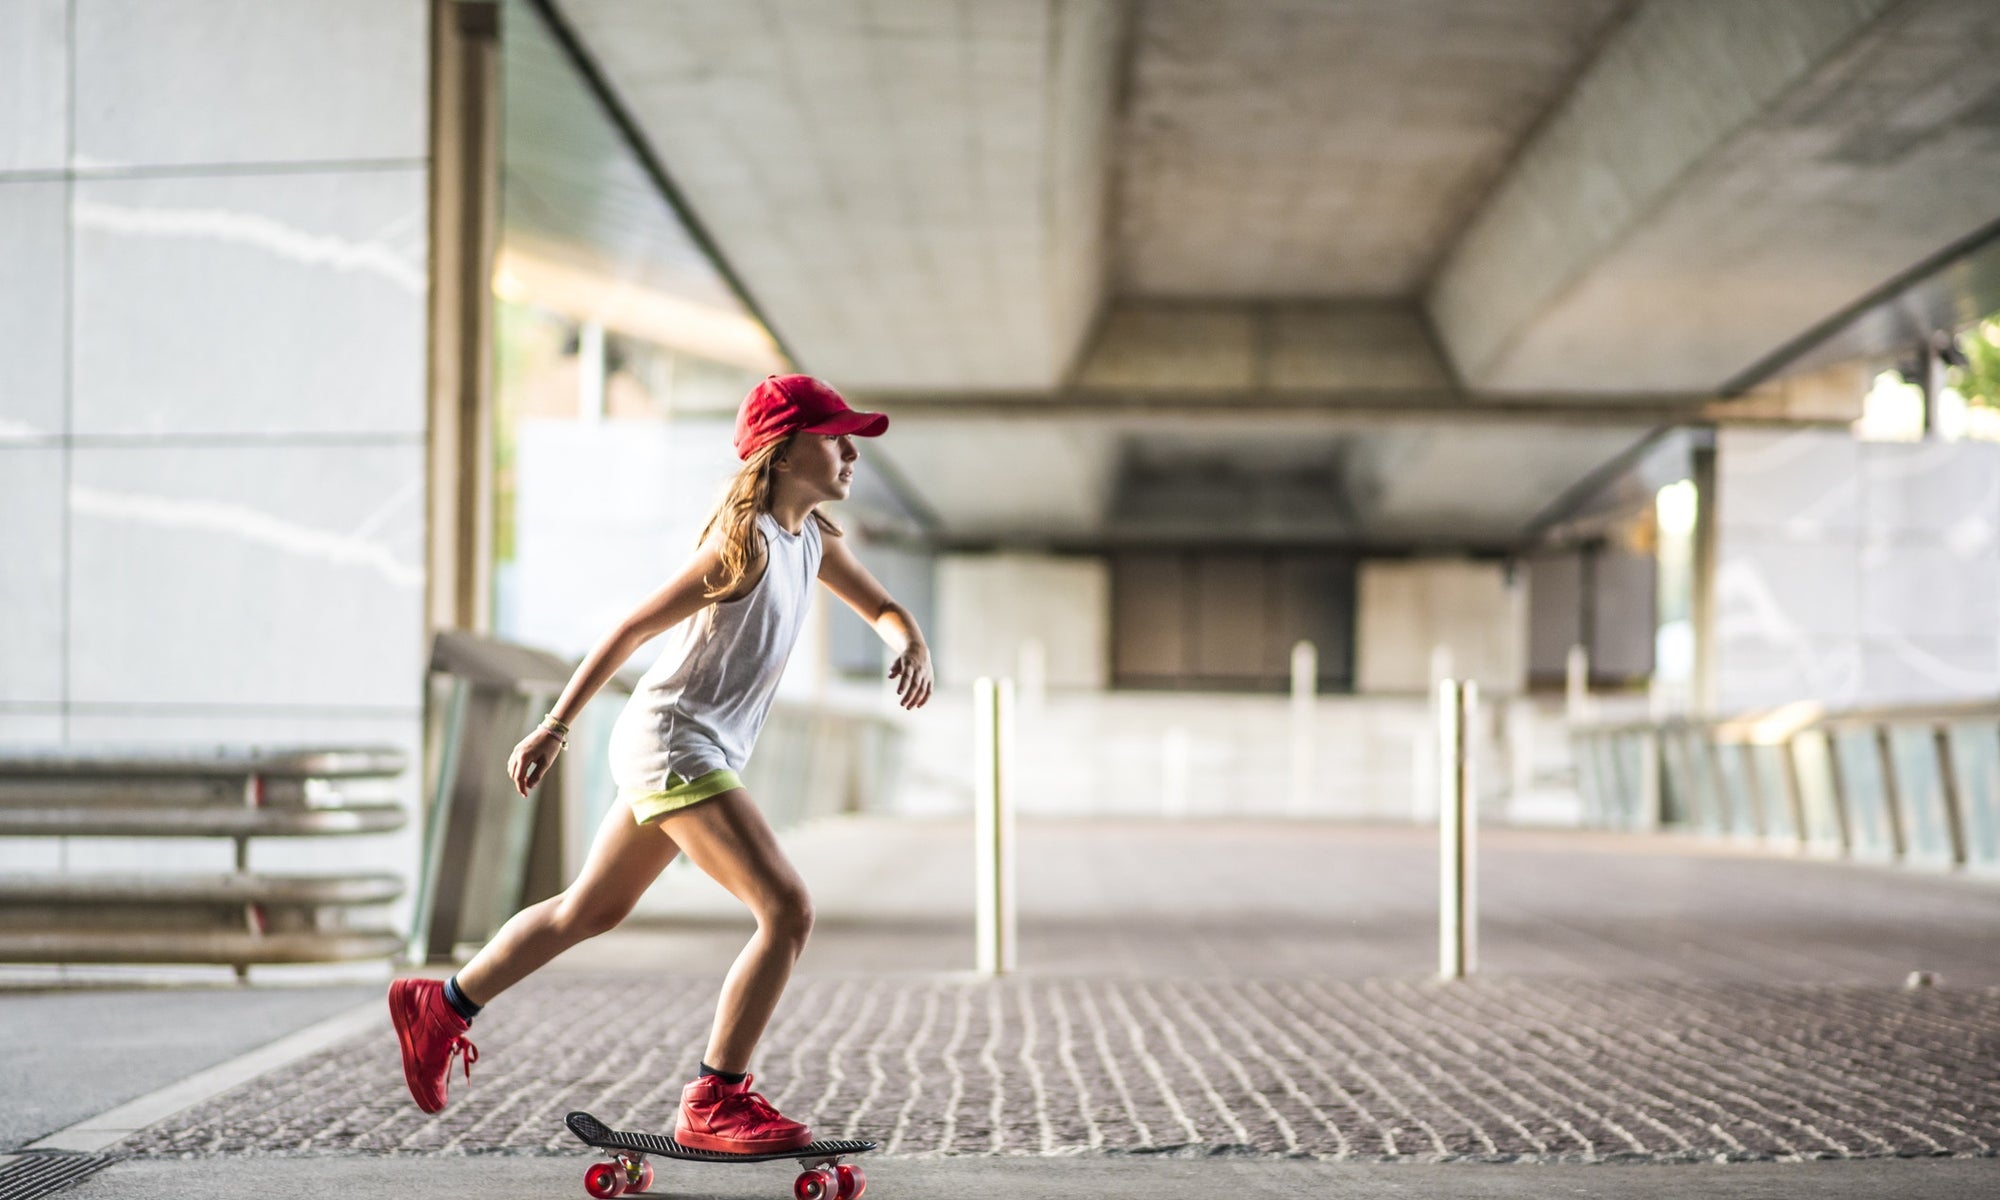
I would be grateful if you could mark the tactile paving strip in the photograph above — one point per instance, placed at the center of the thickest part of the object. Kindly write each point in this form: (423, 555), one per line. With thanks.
(1494, 1069)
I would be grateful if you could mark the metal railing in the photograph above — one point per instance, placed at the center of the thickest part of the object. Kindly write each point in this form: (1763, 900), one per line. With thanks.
(488, 852)
(241, 918)
(1918, 786)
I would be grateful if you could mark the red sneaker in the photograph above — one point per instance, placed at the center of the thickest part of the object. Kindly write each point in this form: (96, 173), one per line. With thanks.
(431, 1032)
(732, 1119)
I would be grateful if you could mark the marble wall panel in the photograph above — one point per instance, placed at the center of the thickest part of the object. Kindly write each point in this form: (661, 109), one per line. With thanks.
(288, 303)
(1771, 590)
(281, 575)
(208, 82)
(1914, 589)
(1759, 675)
(34, 85)
(31, 308)
(31, 579)
(30, 723)
(1803, 483)
(1948, 490)
(1922, 670)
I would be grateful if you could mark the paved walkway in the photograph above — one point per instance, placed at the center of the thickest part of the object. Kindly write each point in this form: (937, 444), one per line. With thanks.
(1490, 1070)
(1199, 999)
(1276, 899)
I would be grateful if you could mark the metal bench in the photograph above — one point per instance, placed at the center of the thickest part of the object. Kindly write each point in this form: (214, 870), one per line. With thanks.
(241, 918)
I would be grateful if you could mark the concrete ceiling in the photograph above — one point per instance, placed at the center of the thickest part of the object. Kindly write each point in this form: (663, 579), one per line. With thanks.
(1300, 148)
(1085, 479)
(1613, 203)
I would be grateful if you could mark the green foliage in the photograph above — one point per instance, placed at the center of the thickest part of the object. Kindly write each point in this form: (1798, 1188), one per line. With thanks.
(1979, 381)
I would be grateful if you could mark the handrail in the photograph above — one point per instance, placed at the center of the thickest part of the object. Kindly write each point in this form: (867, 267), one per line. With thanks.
(1968, 710)
(150, 762)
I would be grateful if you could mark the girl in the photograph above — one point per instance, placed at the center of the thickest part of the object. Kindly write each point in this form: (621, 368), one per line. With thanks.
(675, 752)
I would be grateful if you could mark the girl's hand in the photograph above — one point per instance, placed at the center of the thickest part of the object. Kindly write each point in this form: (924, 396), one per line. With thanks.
(912, 673)
(530, 761)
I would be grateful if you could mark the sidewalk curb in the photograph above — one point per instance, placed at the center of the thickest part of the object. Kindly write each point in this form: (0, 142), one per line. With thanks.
(107, 1128)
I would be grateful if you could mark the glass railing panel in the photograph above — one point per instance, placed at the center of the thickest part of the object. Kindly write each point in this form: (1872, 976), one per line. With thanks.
(1677, 802)
(1628, 751)
(1610, 787)
(1819, 791)
(1920, 798)
(1769, 780)
(1864, 788)
(1975, 768)
(1676, 807)
(1732, 780)
(1711, 806)
(1590, 789)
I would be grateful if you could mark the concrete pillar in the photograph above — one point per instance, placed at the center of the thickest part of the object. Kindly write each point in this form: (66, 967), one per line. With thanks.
(1702, 700)
(465, 224)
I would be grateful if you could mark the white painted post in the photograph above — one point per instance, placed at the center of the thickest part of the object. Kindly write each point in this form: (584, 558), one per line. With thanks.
(1305, 689)
(1576, 681)
(993, 816)
(1457, 819)
(1423, 747)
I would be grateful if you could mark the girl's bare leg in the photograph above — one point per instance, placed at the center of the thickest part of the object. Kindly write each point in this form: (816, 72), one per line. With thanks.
(729, 839)
(624, 860)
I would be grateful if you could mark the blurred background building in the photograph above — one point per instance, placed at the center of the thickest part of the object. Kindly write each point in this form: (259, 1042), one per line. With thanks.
(1632, 358)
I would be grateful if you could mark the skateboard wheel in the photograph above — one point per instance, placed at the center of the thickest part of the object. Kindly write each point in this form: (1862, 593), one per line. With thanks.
(604, 1180)
(852, 1181)
(816, 1184)
(640, 1180)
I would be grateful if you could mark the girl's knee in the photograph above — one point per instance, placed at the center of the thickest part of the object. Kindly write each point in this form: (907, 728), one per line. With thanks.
(788, 914)
(582, 918)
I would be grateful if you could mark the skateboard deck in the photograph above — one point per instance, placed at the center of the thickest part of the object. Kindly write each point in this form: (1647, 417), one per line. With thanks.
(825, 1177)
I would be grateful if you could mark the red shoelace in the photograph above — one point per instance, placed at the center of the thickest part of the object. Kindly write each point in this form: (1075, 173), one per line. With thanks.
(471, 1055)
(755, 1102)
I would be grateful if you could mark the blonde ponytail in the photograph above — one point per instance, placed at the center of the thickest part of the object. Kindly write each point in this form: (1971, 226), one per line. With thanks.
(748, 494)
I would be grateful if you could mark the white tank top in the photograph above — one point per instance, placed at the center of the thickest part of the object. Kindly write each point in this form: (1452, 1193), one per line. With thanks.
(703, 702)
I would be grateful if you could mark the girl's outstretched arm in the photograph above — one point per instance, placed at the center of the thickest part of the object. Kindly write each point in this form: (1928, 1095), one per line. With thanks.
(846, 578)
(683, 596)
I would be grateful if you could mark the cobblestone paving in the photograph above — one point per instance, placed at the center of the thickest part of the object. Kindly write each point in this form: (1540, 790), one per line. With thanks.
(1495, 1069)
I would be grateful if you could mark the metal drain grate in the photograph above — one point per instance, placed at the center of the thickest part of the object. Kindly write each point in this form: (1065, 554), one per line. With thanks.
(40, 1174)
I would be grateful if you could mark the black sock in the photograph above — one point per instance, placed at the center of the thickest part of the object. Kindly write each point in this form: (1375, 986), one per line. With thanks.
(452, 996)
(729, 1077)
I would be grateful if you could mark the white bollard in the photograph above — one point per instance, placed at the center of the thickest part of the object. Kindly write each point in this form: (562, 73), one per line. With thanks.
(1305, 690)
(1457, 822)
(993, 818)
(1576, 684)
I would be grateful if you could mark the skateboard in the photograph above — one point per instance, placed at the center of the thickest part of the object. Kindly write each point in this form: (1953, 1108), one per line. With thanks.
(825, 1176)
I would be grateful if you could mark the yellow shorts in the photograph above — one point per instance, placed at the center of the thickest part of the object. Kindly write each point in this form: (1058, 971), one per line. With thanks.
(679, 793)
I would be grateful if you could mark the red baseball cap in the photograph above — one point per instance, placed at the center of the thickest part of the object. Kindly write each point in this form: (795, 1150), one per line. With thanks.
(785, 404)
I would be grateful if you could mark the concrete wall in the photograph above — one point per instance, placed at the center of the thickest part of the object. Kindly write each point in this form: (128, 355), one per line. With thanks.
(1408, 606)
(990, 606)
(1855, 573)
(1607, 606)
(213, 225)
